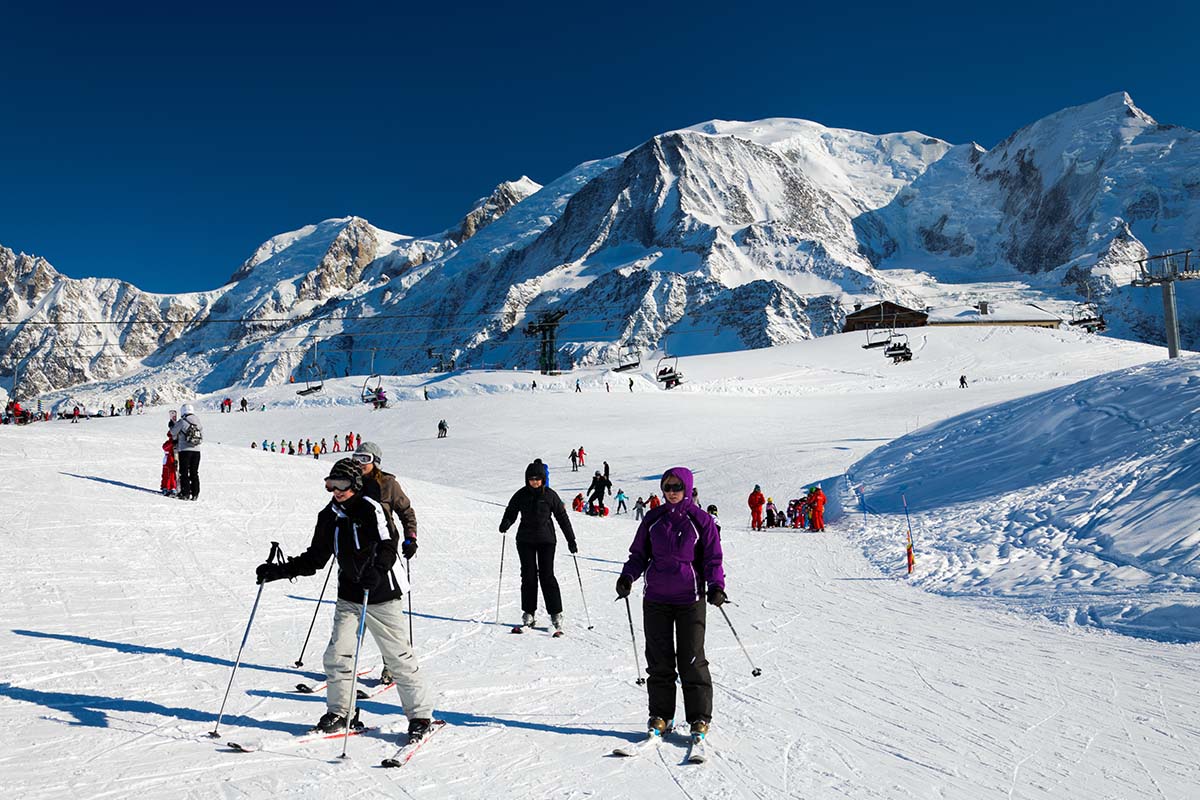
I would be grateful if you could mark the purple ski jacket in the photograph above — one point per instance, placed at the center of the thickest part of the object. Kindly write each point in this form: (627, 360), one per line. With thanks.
(677, 548)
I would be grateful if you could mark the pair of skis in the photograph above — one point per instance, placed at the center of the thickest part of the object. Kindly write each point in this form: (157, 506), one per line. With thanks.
(399, 758)
(521, 629)
(697, 747)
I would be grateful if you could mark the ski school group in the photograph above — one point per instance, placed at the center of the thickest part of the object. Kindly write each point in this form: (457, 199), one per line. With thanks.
(369, 523)
(807, 513)
(307, 447)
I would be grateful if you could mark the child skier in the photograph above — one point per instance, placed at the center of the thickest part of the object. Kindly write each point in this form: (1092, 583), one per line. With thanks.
(169, 486)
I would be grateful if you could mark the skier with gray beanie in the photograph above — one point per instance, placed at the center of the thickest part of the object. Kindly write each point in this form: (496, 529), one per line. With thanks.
(188, 434)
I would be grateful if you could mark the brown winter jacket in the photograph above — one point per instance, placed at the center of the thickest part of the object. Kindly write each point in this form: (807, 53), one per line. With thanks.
(394, 501)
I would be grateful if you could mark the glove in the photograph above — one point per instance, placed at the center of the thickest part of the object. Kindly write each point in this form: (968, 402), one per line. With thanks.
(409, 548)
(503, 528)
(624, 585)
(269, 571)
(573, 547)
(372, 578)
(716, 596)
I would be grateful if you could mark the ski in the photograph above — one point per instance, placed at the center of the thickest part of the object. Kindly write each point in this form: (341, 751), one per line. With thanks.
(651, 742)
(697, 752)
(255, 746)
(558, 634)
(409, 748)
(363, 694)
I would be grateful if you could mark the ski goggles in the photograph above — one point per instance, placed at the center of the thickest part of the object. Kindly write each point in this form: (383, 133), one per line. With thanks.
(337, 485)
(363, 458)
(672, 487)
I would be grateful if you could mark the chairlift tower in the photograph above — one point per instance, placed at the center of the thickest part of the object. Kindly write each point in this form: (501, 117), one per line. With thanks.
(1164, 270)
(547, 327)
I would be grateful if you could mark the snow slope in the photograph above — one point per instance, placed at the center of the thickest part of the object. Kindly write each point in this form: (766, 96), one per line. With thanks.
(124, 609)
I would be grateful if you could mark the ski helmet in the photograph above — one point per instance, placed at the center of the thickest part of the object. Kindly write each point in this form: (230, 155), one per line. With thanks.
(712, 509)
(371, 449)
(186, 408)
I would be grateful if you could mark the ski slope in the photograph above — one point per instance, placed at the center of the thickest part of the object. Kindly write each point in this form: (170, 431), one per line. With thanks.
(124, 610)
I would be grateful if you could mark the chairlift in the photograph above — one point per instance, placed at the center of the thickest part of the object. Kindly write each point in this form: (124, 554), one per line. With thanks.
(314, 379)
(1088, 317)
(629, 358)
(877, 337)
(897, 348)
(667, 373)
(372, 389)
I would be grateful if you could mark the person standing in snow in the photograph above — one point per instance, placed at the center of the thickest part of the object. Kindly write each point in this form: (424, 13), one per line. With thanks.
(772, 513)
(188, 434)
(169, 485)
(621, 498)
(75, 415)
(597, 489)
(577, 387)
(639, 509)
(352, 529)
(443, 429)
(582, 457)
(816, 506)
(631, 384)
(677, 549)
(605, 470)
(574, 461)
(654, 502)
(756, 501)
(962, 381)
(538, 506)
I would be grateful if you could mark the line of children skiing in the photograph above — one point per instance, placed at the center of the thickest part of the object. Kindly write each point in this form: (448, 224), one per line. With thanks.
(806, 513)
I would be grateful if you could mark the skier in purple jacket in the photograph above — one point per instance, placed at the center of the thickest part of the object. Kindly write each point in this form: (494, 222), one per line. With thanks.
(678, 550)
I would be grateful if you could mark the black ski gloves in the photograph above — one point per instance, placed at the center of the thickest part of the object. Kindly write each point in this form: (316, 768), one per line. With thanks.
(503, 528)
(372, 578)
(409, 548)
(268, 571)
(624, 585)
(716, 596)
(574, 548)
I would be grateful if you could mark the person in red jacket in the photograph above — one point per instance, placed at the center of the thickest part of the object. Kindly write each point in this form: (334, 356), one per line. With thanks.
(756, 503)
(170, 486)
(817, 506)
(582, 456)
(654, 501)
(577, 503)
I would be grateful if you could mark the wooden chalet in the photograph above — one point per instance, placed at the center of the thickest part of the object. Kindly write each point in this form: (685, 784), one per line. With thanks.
(884, 315)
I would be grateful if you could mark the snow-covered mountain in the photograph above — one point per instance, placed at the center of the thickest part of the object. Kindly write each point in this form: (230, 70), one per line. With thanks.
(722, 236)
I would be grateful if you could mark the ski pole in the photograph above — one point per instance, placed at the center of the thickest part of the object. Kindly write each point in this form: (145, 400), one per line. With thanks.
(500, 585)
(276, 556)
(581, 592)
(408, 577)
(353, 712)
(636, 663)
(909, 555)
(755, 671)
(300, 660)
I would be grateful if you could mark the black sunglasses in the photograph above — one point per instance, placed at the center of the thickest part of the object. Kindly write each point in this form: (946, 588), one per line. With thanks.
(672, 487)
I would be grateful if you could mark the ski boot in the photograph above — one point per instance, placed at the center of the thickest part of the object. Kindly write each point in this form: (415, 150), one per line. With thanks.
(697, 752)
(699, 729)
(528, 620)
(333, 722)
(418, 729)
(557, 621)
(385, 677)
(659, 727)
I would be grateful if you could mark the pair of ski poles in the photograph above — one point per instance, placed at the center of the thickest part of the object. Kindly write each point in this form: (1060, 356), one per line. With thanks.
(578, 575)
(755, 671)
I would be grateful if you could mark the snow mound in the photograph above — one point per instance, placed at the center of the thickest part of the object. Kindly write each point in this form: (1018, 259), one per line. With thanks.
(1080, 501)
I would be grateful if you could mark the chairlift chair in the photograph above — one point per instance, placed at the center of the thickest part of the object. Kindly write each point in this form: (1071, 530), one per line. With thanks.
(1088, 317)
(314, 380)
(667, 372)
(629, 358)
(877, 338)
(370, 387)
(897, 348)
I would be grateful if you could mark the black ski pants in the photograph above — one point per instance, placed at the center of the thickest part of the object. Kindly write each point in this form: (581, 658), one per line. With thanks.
(675, 641)
(537, 566)
(189, 473)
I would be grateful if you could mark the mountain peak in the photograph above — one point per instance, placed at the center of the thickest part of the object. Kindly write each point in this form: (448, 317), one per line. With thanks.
(489, 209)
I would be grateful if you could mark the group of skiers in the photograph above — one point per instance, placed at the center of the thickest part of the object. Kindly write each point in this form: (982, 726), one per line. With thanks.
(227, 405)
(181, 455)
(307, 447)
(676, 550)
(804, 513)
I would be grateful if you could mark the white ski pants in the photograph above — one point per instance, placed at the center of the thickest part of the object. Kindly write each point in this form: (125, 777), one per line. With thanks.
(386, 623)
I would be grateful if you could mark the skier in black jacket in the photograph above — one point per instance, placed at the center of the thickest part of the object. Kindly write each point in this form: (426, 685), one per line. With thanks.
(596, 490)
(536, 503)
(353, 528)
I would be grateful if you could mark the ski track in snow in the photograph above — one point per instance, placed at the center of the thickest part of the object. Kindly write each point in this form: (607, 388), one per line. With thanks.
(125, 611)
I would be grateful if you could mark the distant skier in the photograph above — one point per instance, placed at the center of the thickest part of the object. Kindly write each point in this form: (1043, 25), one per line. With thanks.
(962, 381)
(574, 461)
(75, 415)
(443, 429)
(577, 387)
(533, 386)
(599, 486)
(605, 470)
(621, 498)
(537, 504)
(654, 502)
(352, 529)
(678, 551)
(245, 405)
(772, 514)
(817, 509)
(577, 503)
(631, 384)
(582, 457)
(639, 508)
(756, 501)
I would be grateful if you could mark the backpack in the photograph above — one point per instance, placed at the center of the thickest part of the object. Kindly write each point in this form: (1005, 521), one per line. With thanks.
(193, 434)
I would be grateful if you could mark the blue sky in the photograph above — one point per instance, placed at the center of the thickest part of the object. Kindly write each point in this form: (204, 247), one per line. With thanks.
(162, 147)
